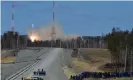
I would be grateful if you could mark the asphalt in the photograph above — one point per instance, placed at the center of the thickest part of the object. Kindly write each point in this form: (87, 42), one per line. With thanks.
(52, 63)
(24, 58)
(52, 60)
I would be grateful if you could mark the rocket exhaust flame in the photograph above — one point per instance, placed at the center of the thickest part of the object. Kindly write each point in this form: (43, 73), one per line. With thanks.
(32, 38)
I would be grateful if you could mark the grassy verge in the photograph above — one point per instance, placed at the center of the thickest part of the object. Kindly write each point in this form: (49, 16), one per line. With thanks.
(106, 69)
(8, 59)
(68, 72)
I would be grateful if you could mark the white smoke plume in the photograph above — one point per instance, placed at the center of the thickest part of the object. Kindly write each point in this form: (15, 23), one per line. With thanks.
(45, 32)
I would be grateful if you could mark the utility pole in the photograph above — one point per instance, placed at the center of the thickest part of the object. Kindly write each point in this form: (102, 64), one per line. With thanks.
(76, 43)
(88, 44)
(67, 41)
(80, 42)
(84, 43)
(60, 43)
(125, 60)
(132, 60)
(26, 41)
(17, 41)
(12, 29)
(53, 35)
(126, 57)
(131, 63)
(102, 41)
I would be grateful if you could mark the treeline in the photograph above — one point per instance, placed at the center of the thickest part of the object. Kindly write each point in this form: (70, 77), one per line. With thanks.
(11, 40)
(120, 44)
(80, 42)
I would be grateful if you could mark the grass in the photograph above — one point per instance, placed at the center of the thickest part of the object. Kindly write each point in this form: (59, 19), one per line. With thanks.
(106, 69)
(8, 59)
(95, 52)
(68, 72)
(96, 56)
(81, 66)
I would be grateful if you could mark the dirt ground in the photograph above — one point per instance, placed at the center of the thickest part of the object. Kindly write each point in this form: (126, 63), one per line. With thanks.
(96, 58)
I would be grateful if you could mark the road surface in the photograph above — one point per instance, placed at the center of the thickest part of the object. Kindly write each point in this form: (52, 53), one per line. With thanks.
(21, 61)
(52, 62)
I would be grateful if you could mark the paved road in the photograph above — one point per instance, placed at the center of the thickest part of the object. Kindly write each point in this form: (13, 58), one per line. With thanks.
(51, 63)
(22, 61)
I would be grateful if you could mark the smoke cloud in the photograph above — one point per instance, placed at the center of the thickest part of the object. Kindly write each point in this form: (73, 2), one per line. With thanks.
(45, 32)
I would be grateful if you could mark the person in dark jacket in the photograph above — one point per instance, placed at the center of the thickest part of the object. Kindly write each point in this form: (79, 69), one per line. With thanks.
(43, 72)
(35, 73)
(22, 78)
(71, 77)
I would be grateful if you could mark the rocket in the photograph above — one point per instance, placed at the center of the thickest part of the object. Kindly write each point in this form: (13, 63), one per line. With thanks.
(32, 32)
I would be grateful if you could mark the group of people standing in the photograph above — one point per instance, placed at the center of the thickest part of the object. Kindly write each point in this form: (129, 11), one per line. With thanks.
(101, 75)
(36, 74)
(39, 73)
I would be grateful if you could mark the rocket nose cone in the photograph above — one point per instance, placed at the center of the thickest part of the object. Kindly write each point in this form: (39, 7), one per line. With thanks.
(32, 25)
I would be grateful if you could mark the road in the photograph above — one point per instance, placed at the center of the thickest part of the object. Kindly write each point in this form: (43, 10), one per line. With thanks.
(51, 62)
(21, 62)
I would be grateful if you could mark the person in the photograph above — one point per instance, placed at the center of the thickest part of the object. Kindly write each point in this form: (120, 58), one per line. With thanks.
(22, 78)
(95, 74)
(88, 74)
(80, 77)
(71, 77)
(126, 74)
(74, 77)
(38, 72)
(114, 75)
(42, 73)
(84, 74)
(132, 74)
(100, 74)
(14, 54)
(107, 75)
(35, 73)
(120, 74)
(129, 74)
(117, 74)
(103, 75)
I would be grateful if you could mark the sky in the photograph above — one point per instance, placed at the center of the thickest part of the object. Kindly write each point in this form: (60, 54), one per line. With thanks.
(85, 18)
